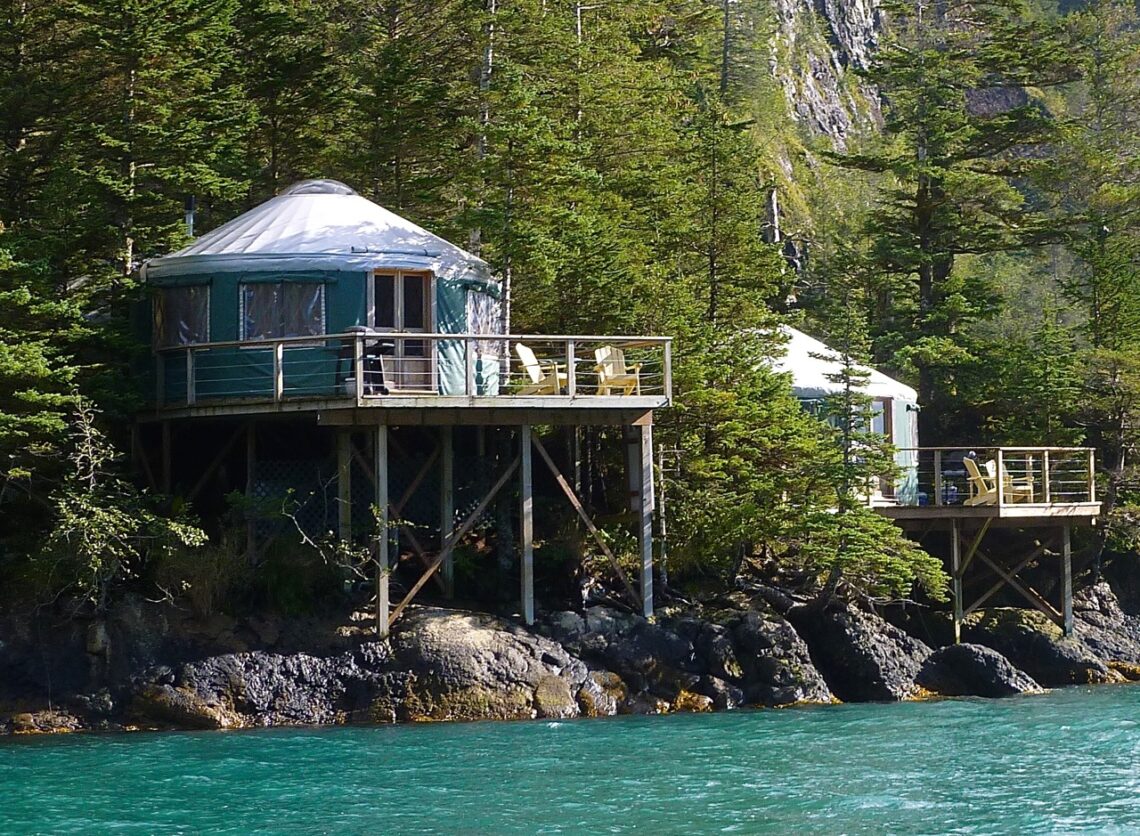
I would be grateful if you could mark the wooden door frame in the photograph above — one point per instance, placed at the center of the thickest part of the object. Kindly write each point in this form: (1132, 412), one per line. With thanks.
(398, 310)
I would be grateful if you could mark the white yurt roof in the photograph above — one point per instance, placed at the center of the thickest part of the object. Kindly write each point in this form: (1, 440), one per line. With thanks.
(810, 372)
(319, 225)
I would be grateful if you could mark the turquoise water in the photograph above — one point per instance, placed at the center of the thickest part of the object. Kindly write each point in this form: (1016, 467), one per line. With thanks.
(1064, 762)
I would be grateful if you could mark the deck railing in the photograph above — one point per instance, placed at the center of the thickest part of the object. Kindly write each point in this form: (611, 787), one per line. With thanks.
(990, 477)
(364, 367)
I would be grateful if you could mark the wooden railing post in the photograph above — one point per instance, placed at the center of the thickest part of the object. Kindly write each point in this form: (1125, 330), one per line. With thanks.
(937, 477)
(669, 370)
(571, 374)
(278, 371)
(999, 478)
(358, 367)
(191, 387)
(469, 366)
(1092, 475)
(1047, 488)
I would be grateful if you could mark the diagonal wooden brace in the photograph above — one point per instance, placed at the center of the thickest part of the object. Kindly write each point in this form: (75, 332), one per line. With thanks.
(593, 529)
(396, 508)
(985, 596)
(1030, 594)
(454, 539)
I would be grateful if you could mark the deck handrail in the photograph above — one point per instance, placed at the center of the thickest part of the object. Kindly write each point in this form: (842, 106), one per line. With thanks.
(960, 447)
(360, 371)
(634, 341)
(1022, 476)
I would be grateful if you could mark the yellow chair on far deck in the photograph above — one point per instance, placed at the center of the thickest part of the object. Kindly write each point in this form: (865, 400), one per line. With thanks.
(545, 378)
(613, 373)
(983, 487)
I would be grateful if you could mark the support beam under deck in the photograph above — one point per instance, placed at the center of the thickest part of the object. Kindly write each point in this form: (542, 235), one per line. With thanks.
(526, 524)
(382, 546)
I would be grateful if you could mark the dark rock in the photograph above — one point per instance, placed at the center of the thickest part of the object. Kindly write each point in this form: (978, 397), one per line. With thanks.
(650, 657)
(861, 656)
(716, 654)
(776, 666)
(645, 704)
(265, 689)
(1103, 626)
(1036, 645)
(724, 695)
(609, 622)
(960, 670)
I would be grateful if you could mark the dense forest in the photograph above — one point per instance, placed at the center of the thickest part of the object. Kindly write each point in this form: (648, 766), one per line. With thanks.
(627, 167)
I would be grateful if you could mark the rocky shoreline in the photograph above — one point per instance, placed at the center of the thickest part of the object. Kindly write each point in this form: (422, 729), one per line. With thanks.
(149, 666)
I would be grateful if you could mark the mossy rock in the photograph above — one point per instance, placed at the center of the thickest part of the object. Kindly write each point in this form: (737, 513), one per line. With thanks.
(1013, 620)
(426, 701)
(553, 699)
(1126, 669)
(185, 709)
(690, 702)
(603, 694)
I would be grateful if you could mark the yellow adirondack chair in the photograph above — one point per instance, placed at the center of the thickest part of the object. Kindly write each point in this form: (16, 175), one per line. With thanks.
(613, 373)
(983, 488)
(545, 378)
(1018, 489)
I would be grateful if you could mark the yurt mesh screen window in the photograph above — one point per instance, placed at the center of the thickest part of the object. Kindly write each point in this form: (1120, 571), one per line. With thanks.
(484, 316)
(182, 315)
(277, 310)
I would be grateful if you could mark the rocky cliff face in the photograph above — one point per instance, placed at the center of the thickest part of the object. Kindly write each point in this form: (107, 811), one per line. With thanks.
(817, 46)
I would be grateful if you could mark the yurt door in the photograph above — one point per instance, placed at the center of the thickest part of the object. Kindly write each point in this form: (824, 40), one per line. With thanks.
(400, 303)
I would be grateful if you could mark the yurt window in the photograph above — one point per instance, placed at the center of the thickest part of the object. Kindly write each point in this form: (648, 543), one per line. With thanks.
(182, 315)
(274, 310)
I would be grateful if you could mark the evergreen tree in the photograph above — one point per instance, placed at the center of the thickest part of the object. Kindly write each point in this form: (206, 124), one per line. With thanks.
(962, 131)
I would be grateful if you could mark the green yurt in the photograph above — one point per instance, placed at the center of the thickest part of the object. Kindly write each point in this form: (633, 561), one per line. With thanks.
(315, 261)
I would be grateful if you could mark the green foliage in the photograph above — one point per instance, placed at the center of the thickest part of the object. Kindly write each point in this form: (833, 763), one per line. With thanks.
(962, 131)
(869, 554)
(105, 531)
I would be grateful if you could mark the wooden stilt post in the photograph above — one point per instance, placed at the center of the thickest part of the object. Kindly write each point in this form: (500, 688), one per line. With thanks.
(381, 473)
(956, 577)
(526, 525)
(1066, 581)
(446, 505)
(645, 517)
(344, 485)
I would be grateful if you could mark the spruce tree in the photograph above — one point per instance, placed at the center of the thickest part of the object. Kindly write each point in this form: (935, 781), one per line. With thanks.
(962, 132)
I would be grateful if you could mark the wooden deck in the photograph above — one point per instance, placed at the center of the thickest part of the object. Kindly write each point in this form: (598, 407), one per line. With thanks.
(428, 379)
(1020, 516)
(1036, 486)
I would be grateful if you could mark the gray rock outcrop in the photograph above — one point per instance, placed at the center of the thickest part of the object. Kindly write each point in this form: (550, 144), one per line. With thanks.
(973, 670)
(1109, 632)
(466, 666)
(861, 656)
(1036, 645)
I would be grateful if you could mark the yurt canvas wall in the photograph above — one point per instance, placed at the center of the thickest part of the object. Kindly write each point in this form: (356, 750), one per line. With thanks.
(813, 366)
